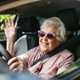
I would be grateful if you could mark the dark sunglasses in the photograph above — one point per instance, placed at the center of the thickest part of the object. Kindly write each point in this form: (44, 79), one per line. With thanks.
(48, 35)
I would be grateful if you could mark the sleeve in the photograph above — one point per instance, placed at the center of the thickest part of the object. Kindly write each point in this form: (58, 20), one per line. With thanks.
(26, 56)
(62, 63)
(67, 61)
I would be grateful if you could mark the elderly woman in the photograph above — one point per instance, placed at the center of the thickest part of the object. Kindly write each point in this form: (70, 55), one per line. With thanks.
(41, 60)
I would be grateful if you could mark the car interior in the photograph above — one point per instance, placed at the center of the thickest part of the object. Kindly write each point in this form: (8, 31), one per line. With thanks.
(31, 13)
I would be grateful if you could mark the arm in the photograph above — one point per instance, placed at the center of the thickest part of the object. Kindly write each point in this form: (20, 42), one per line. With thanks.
(65, 64)
(64, 61)
(10, 32)
(21, 62)
(61, 64)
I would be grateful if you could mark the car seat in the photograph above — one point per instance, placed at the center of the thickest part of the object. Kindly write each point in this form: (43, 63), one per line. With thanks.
(73, 44)
(26, 34)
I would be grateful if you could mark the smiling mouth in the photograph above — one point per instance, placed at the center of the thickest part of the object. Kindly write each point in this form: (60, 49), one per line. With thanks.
(44, 44)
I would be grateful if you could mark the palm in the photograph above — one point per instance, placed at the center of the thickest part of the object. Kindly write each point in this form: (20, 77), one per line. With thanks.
(9, 29)
(9, 32)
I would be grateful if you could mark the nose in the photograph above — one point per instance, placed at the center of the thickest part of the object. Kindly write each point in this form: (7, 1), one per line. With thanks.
(45, 38)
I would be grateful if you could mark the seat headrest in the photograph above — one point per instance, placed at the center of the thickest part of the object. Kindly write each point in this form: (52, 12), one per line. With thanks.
(28, 24)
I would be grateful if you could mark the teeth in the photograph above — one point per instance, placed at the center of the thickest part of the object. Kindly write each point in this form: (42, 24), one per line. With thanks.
(44, 44)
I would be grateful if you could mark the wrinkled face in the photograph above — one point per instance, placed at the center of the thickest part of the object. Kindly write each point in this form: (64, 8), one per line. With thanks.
(47, 39)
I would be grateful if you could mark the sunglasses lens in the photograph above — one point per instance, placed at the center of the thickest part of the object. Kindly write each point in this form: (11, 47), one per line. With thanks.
(50, 36)
(41, 34)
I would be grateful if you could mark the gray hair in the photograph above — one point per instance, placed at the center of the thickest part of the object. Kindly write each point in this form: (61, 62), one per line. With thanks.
(55, 21)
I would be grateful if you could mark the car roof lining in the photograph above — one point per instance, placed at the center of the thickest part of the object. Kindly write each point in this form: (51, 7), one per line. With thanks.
(39, 7)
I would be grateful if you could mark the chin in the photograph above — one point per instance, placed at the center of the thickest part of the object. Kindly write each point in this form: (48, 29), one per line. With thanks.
(44, 50)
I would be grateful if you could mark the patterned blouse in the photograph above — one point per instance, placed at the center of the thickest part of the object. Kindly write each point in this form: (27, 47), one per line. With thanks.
(47, 67)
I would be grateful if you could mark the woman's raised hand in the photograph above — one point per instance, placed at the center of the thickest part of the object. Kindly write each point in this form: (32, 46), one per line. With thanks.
(10, 29)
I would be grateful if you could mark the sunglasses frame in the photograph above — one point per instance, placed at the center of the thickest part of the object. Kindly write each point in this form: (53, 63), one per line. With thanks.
(49, 35)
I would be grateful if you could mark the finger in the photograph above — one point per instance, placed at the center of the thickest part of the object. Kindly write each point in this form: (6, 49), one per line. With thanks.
(12, 22)
(16, 21)
(5, 23)
(8, 23)
(15, 70)
(12, 60)
(14, 65)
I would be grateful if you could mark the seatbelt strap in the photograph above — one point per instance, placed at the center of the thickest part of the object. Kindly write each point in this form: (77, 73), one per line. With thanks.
(50, 54)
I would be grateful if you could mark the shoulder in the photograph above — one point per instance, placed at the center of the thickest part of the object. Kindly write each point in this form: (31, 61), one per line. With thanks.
(66, 55)
(32, 51)
(29, 53)
(35, 49)
(63, 55)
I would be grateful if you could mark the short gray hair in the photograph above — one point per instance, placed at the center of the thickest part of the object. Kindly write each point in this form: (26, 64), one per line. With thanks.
(57, 23)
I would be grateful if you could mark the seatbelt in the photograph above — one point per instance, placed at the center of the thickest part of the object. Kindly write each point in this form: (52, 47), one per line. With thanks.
(50, 54)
